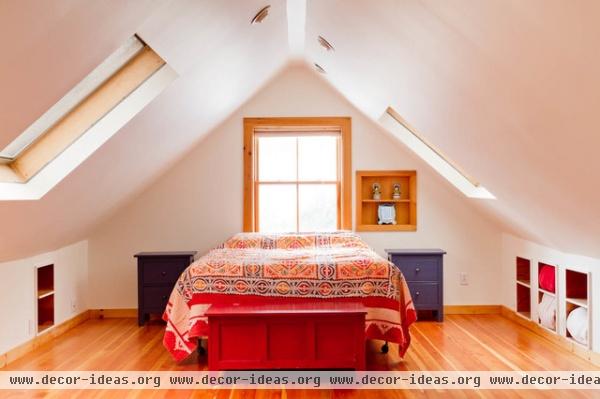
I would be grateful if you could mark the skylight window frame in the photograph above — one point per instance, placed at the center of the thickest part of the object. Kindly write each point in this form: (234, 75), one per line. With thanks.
(432, 156)
(87, 126)
(111, 65)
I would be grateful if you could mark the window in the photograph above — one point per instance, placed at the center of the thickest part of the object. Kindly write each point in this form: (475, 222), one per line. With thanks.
(297, 174)
(82, 121)
(58, 111)
(400, 128)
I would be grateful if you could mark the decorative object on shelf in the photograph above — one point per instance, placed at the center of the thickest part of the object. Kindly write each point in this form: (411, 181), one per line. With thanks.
(386, 214)
(577, 325)
(376, 191)
(547, 311)
(396, 194)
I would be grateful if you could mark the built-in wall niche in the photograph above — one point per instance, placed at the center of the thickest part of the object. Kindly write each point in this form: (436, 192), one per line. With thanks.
(45, 297)
(547, 307)
(577, 307)
(523, 286)
(396, 191)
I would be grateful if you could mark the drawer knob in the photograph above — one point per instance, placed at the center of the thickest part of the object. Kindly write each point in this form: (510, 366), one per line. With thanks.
(417, 293)
(417, 270)
(163, 273)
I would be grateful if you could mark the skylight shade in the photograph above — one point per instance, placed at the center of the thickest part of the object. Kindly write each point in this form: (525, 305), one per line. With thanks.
(395, 124)
(74, 97)
(89, 115)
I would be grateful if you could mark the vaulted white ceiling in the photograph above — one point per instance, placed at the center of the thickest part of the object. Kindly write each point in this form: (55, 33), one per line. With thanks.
(507, 89)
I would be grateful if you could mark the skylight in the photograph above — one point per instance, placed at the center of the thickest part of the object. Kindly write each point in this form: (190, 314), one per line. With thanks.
(84, 119)
(408, 135)
(74, 97)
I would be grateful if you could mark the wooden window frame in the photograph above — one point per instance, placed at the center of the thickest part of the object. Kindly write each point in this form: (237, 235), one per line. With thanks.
(343, 125)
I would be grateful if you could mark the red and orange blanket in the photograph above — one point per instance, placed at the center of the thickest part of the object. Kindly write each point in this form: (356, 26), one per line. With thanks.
(260, 269)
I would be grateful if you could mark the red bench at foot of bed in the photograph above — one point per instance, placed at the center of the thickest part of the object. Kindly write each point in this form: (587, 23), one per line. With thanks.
(306, 336)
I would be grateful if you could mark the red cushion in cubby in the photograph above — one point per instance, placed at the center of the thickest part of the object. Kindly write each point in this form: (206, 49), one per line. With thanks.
(547, 278)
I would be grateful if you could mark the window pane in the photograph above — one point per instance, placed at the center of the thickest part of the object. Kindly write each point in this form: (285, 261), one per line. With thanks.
(318, 207)
(317, 158)
(277, 208)
(276, 158)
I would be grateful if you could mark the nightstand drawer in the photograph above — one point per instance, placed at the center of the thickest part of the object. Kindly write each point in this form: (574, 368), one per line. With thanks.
(418, 268)
(425, 294)
(156, 298)
(161, 271)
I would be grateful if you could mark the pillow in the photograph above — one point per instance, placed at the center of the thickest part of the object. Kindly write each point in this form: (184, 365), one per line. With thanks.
(547, 279)
(334, 239)
(547, 311)
(577, 325)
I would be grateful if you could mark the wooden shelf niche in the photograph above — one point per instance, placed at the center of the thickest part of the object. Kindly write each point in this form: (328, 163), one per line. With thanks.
(45, 297)
(523, 280)
(577, 287)
(405, 206)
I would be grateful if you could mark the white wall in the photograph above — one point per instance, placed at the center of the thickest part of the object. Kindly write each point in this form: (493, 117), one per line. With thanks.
(198, 202)
(18, 291)
(513, 247)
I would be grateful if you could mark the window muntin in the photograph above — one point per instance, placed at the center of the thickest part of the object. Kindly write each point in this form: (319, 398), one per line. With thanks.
(298, 181)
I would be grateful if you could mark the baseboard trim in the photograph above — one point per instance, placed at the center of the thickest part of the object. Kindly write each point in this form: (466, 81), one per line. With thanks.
(38, 340)
(472, 309)
(113, 313)
(561, 341)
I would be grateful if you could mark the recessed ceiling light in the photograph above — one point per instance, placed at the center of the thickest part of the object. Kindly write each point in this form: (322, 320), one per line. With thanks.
(261, 15)
(323, 42)
(319, 68)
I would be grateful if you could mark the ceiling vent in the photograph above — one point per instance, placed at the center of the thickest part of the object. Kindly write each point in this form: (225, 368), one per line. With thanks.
(319, 68)
(325, 44)
(261, 15)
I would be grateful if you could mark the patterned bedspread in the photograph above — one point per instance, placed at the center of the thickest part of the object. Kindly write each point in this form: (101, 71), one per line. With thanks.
(252, 268)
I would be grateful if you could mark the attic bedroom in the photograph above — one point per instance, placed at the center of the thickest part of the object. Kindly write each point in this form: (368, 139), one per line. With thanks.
(299, 198)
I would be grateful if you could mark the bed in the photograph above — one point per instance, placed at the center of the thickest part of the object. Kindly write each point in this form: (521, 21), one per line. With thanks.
(263, 269)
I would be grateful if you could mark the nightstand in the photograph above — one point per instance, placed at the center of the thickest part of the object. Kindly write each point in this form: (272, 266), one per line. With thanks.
(423, 272)
(157, 274)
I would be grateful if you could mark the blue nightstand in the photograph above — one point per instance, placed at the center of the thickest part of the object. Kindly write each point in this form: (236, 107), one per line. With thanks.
(423, 270)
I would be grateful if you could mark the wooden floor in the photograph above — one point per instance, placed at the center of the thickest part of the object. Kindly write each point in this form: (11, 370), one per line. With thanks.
(469, 342)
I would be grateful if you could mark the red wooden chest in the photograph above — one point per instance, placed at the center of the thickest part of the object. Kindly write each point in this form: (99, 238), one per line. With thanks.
(309, 336)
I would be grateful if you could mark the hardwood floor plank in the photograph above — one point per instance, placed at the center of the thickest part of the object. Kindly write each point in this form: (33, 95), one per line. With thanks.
(462, 342)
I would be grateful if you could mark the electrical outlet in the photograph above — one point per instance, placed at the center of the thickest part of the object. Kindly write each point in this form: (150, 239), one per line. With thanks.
(464, 279)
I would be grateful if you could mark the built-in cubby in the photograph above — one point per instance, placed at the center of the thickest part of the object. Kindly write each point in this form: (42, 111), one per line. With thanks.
(523, 279)
(556, 297)
(45, 297)
(577, 312)
(547, 307)
(393, 190)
